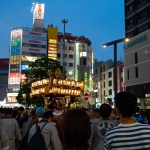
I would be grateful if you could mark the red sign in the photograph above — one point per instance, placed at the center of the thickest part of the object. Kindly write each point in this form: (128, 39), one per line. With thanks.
(86, 96)
(39, 11)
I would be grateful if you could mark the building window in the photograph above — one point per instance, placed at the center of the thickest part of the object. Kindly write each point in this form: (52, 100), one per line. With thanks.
(143, 14)
(104, 92)
(110, 83)
(104, 76)
(109, 74)
(128, 73)
(58, 56)
(71, 56)
(70, 64)
(136, 58)
(110, 91)
(130, 8)
(103, 68)
(130, 22)
(104, 84)
(95, 71)
(71, 48)
(84, 61)
(65, 64)
(136, 72)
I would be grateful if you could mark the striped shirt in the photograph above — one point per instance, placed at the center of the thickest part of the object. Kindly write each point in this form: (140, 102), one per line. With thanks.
(128, 137)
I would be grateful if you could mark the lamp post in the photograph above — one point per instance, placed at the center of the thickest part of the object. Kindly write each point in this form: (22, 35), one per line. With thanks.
(64, 21)
(115, 59)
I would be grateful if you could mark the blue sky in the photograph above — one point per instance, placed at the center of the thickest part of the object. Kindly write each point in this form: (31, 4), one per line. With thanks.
(100, 21)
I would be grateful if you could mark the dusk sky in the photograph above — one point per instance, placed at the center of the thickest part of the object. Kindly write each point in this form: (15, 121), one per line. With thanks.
(100, 21)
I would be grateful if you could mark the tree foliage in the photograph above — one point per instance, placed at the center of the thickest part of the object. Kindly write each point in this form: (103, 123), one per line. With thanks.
(38, 70)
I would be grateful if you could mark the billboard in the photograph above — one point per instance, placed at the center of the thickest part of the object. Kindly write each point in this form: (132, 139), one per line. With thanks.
(4, 63)
(38, 12)
(15, 48)
(52, 42)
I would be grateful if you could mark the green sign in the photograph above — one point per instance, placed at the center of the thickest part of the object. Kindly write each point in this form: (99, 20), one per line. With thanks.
(137, 41)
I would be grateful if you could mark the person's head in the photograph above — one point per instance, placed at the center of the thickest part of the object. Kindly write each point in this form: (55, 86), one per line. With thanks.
(105, 111)
(77, 129)
(57, 114)
(126, 104)
(48, 115)
(112, 115)
(20, 110)
(96, 113)
(39, 111)
(8, 111)
(137, 109)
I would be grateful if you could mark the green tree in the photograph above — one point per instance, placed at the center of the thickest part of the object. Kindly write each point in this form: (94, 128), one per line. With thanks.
(38, 70)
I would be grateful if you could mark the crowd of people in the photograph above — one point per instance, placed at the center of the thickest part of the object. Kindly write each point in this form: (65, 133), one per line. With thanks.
(104, 128)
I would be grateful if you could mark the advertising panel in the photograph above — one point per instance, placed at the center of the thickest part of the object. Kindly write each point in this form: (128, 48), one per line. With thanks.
(31, 41)
(33, 33)
(34, 50)
(15, 48)
(14, 78)
(24, 67)
(52, 42)
(4, 63)
(38, 12)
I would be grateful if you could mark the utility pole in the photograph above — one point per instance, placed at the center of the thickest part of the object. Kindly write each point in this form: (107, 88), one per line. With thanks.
(64, 22)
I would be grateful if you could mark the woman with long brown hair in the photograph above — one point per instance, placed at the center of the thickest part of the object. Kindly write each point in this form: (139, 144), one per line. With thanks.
(76, 130)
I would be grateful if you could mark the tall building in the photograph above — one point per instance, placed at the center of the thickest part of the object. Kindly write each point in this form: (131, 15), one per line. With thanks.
(137, 17)
(78, 55)
(136, 55)
(103, 79)
(4, 65)
(26, 45)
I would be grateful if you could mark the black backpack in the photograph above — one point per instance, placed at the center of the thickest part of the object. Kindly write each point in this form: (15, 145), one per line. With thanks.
(37, 141)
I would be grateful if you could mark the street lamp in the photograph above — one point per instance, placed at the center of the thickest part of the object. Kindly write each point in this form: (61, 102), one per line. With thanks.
(115, 59)
(64, 22)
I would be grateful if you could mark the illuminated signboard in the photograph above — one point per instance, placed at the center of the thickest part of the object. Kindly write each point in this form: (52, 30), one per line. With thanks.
(52, 42)
(38, 12)
(24, 67)
(85, 80)
(14, 69)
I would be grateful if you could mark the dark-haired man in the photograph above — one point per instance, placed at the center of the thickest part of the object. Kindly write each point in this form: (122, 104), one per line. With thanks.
(101, 126)
(49, 132)
(129, 134)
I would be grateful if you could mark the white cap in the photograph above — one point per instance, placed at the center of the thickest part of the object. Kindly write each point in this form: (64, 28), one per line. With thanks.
(57, 112)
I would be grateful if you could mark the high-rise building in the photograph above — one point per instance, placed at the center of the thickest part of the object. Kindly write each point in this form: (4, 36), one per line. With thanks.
(26, 45)
(137, 17)
(136, 54)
